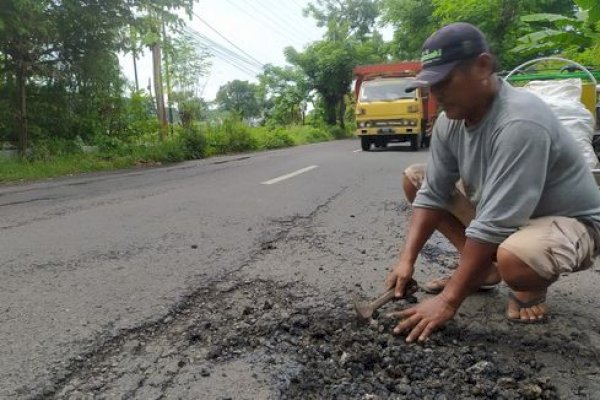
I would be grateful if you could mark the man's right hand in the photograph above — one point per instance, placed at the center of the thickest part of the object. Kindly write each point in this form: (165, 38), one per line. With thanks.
(399, 278)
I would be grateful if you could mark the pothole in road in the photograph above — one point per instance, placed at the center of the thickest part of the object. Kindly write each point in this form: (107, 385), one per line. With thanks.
(262, 339)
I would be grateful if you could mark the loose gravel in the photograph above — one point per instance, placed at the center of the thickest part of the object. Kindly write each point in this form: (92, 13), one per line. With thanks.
(284, 341)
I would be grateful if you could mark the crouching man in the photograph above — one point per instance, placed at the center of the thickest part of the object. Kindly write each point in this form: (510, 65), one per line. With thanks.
(505, 183)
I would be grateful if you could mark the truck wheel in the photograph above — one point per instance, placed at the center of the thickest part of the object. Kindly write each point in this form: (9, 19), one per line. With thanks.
(380, 143)
(414, 142)
(425, 141)
(365, 143)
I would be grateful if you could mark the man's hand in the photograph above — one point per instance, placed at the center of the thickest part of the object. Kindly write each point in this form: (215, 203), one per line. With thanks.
(399, 278)
(424, 318)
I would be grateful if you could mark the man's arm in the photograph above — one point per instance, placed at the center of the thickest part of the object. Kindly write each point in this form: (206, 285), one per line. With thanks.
(420, 228)
(470, 273)
(423, 319)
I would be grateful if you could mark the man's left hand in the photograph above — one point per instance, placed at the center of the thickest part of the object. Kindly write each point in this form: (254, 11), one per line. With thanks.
(424, 318)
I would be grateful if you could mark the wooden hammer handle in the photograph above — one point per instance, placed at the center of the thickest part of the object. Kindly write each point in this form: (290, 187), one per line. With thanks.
(389, 295)
(385, 298)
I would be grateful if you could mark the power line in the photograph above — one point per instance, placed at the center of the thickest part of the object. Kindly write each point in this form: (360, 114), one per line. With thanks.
(225, 54)
(227, 40)
(276, 20)
(275, 5)
(212, 43)
(300, 6)
(245, 11)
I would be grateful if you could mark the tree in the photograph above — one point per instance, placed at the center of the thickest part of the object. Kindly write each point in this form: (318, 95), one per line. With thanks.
(356, 16)
(413, 22)
(285, 92)
(351, 39)
(68, 44)
(187, 64)
(328, 66)
(29, 39)
(240, 97)
(575, 37)
(498, 19)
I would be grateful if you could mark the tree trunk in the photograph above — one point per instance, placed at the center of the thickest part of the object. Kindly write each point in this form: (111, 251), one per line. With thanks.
(330, 110)
(342, 112)
(158, 90)
(167, 75)
(21, 108)
(135, 71)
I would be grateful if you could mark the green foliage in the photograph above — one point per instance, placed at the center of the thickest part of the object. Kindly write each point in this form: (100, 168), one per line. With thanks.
(61, 157)
(328, 65)
(68, 50)
(576, 37)
(285, 93)
(230, 136)
(500, 20)
(187, 64)
(350, 40)
(339, 133)
(356, 17)
(413, 22)
(137, 118)
(273, 138)
(277, 139)
(45, 150)
(191, 109)
(239, 97)
(194, 142)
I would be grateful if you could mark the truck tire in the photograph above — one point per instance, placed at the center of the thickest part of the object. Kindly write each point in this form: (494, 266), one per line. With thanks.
(365, 143)
(414, 142)
(425, 141)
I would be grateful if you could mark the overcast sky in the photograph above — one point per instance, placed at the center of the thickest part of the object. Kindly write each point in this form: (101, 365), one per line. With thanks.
(260, 28)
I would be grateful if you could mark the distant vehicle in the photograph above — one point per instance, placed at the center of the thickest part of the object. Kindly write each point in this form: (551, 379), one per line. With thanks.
(385, 112)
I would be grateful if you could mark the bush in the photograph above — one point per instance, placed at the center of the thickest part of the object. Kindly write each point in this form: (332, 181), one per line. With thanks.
(309, 134)
(194, 142)
(110, 145)
(278, 139)
(238, 136)
(230, 136)
(338, 132)
(170, 151)
(46, 150)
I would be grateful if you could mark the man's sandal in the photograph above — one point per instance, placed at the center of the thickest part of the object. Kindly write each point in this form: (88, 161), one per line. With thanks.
(527, 304)
(437, 285)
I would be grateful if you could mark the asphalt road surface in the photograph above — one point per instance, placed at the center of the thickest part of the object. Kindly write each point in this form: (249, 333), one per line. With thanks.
(232, 277)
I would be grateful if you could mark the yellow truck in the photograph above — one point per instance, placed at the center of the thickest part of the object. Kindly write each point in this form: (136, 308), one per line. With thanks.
(385, 112)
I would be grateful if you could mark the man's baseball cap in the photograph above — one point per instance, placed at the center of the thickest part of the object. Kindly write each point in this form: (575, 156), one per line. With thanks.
(447, 47)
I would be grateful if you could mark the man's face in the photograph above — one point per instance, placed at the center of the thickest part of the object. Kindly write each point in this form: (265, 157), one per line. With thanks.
(459, 93)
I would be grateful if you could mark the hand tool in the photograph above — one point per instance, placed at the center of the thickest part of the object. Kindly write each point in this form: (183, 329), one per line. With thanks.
(365, 309)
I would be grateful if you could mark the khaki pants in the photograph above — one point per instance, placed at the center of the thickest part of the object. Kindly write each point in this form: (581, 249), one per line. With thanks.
(550, 245)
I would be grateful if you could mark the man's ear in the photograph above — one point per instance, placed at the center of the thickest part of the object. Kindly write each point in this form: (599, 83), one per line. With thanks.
(483, 66)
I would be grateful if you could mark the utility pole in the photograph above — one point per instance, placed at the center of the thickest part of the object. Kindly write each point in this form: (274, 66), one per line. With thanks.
(158, 89)
(133, 41)
(168, 76)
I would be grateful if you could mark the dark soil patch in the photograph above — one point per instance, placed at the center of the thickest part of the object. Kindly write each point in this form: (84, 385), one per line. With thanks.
(313, 348)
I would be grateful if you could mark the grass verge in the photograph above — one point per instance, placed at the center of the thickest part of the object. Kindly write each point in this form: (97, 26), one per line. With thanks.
(194, 143)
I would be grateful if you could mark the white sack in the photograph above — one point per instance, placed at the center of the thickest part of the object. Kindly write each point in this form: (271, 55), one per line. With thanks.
(564, 98)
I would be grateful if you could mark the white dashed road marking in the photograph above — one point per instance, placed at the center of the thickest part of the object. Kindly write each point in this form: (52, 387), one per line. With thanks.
(291, 175)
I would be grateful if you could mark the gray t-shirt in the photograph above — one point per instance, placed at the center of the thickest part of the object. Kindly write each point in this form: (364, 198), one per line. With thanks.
(518, 163)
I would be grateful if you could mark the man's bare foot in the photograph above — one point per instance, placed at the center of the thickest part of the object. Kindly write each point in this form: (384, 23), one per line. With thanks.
(491, 280)
(527, 307)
